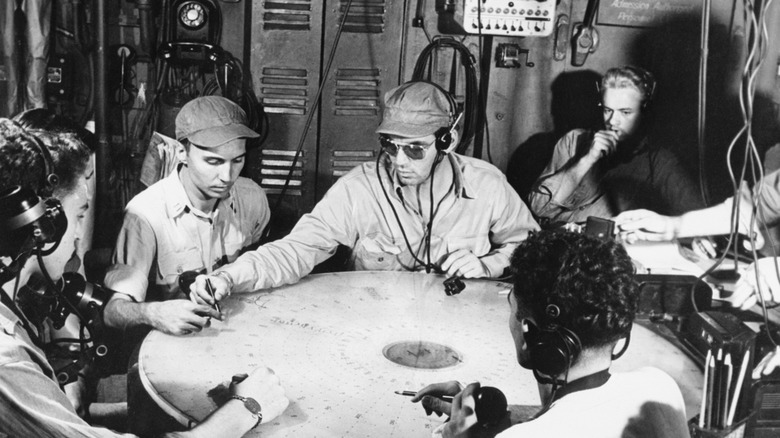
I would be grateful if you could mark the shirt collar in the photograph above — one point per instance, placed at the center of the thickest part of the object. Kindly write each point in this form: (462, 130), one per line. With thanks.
(462, 188)
(176, 200)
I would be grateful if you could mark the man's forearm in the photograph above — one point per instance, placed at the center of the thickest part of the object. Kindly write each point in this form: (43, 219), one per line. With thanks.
(713, 220)
(230, 420)
(570, 178)
(122, 314)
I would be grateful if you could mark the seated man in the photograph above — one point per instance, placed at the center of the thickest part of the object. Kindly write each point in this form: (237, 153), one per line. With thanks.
(31, 401)
(196, 219)
(617, 168)
(420, 206)
(573, 299)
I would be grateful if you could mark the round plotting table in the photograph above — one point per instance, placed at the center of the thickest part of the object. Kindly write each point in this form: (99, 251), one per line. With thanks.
(342, 343)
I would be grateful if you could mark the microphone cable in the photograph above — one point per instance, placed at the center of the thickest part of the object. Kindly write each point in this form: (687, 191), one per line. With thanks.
(471, 100)
(429, 227)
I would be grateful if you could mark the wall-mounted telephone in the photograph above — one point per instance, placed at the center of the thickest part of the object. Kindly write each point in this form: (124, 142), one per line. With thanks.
(585, 38)
(195, 20)
(191, 52)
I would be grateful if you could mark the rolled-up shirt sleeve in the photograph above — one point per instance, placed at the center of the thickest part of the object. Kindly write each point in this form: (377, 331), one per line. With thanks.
(545, 197)
(134, 247)
(314, 239)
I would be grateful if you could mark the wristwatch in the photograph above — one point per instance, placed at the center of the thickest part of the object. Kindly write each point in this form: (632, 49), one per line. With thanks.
(225, 276)
(252, 406)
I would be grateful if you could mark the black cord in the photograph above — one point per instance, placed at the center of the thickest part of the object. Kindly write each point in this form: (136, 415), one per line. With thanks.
(397, 218)
(471, 101)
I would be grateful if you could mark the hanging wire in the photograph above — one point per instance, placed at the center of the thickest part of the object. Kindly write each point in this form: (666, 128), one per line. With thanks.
(312, 110)
(751, 165)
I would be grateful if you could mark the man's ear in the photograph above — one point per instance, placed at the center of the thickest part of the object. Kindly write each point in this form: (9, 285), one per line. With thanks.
(181, 153)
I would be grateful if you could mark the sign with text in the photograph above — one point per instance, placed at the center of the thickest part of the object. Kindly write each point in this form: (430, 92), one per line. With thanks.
(644, 13)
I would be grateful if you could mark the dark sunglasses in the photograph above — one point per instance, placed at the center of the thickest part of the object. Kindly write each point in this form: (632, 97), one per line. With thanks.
(413, 151)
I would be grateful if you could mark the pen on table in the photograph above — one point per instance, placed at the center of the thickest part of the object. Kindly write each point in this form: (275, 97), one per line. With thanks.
(210, 290)
(737, 388)
(446, 398)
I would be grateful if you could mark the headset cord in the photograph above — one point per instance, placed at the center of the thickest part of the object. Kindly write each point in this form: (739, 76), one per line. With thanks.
(431, 213)
(428, 266)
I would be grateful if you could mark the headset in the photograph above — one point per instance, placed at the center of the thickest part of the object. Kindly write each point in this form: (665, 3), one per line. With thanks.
(28, 222)
(552, 348)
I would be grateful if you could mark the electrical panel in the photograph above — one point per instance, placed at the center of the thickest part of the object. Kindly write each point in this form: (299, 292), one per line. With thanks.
(509, 18)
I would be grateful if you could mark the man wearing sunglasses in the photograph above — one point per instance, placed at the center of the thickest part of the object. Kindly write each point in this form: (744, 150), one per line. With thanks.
(419, 207)
(196, 219)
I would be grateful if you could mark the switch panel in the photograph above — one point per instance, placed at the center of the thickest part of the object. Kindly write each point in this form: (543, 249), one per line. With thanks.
(509, 18)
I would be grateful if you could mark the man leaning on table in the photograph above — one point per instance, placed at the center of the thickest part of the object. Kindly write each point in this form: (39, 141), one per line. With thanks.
(760, 277)
(420, 206)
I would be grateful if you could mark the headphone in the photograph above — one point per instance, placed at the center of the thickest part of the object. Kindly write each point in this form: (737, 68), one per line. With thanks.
(28, 221)
(552, 348)
(443, 135)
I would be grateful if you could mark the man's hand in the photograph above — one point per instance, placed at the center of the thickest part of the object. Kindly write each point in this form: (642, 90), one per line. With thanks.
(463, 414)
(638, 225)
(180, 317)
(465, 264)
(604, 144)
(767, 364)
(746, 291)
(263, 385)
(430, 397)
(201, 295)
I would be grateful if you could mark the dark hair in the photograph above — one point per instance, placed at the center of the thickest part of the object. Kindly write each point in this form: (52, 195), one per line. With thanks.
(589, 279)
(41, 119)
(631, 77)
(22, 163)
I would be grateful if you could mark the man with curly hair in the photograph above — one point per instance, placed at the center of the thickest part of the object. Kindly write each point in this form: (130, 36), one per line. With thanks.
(573, 303)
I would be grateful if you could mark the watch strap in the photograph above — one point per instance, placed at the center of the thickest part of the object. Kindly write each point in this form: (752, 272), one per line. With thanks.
(252, 406)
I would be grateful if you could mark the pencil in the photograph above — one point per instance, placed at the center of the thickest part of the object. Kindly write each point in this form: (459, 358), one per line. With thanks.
(735, 397)
(726, 391)
(446, 398)
(705, 388)
(710, 393)
(210, 290)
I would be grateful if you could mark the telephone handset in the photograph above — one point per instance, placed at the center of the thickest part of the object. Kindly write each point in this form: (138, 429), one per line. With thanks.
(585, 38)
(191, 52)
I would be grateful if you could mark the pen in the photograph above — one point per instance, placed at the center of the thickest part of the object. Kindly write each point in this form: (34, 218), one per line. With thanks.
(446, 398)
(210, 290)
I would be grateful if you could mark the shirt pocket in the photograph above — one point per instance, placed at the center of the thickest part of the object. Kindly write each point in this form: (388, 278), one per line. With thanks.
(171, 264)
(479, 245)
(376, 252)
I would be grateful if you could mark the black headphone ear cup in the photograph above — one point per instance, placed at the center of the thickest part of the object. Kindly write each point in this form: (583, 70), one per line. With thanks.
(443, 139)
(552, 349)
(26, 219)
